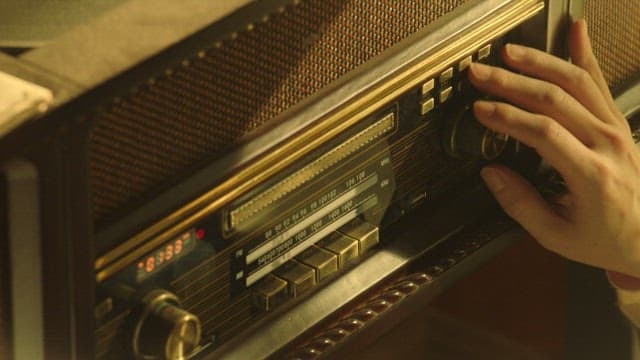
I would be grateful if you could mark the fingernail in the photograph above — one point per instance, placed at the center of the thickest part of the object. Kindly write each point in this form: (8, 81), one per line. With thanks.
(514, 52)
(622, 281)
(583, 23)
(484, 109)
(480, 71)
(492, 178)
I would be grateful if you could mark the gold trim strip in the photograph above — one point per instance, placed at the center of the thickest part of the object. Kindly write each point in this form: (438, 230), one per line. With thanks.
(333, 125)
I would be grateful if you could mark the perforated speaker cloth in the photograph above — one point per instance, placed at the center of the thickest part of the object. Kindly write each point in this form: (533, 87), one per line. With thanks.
(199, 107)
(614, 27)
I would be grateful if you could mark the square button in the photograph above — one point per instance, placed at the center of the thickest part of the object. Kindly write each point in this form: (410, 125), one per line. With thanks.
(484, 52)
(464, 64)
(427, 87)
(446, 76)
(445, 94)
(426, 106)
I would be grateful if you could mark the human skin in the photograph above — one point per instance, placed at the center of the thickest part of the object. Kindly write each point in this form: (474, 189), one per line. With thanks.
(566, 113)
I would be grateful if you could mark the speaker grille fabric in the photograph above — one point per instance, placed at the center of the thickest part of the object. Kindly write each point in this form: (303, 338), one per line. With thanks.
(201, 107)
(615, 31)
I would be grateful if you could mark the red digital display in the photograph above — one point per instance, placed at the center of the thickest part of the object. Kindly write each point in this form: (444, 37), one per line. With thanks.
(167, 253)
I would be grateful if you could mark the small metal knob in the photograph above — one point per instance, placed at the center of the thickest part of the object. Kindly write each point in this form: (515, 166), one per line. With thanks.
(465, 138)
(165, 331)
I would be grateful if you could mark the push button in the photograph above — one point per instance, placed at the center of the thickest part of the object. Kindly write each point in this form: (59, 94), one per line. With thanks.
(426, 106)
(445, 94)
(346, 248)
(366, 234)
(324, 262)
(464, 64)
(270, 291)
(427, 87)
(446, 76)
(300, 278)
(484, 52)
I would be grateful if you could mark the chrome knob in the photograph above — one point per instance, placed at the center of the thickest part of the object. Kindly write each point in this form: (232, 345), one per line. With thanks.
(165, 331)
(493, 144)
(464, 137)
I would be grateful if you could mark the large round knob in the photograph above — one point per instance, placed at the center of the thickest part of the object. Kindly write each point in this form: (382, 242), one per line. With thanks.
(164, 331)
(464, 137)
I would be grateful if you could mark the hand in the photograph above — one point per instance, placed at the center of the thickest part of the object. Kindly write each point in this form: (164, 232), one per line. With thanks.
(565, 112)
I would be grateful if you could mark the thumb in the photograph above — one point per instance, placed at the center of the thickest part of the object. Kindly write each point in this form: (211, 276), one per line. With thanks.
(521, 201)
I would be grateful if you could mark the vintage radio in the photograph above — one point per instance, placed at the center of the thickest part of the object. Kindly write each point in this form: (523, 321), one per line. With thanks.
(189, 180)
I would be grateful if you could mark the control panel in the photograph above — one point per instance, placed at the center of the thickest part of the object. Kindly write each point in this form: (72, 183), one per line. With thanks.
(283, 229)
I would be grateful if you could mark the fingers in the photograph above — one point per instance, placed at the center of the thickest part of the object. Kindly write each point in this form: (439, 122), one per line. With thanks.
(540, 97)
(552, 141)
(524, 204)
(582, 55)
(574, 80)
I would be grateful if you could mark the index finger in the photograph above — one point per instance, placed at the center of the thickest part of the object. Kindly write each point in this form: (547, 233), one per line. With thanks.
(576, 81)
(551, 140)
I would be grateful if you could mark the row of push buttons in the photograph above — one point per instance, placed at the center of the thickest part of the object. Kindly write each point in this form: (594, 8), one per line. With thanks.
(445, 87)
(316, 263)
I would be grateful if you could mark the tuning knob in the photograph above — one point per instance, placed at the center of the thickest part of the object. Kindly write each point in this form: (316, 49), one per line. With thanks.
(164, 331)
(464, 137)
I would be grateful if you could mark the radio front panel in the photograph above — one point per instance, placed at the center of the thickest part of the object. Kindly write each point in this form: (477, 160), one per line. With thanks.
(312, 207)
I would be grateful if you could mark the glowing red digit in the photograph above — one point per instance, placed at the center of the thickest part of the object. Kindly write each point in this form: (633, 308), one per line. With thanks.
(151, 264)
(168, 252)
